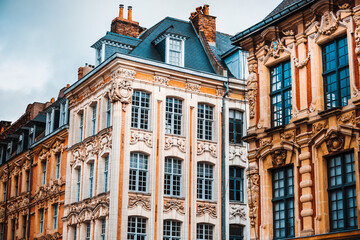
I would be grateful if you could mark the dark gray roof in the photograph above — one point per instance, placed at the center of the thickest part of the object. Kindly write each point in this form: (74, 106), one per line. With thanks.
(223, 45)
(114, 37)
(283, 5)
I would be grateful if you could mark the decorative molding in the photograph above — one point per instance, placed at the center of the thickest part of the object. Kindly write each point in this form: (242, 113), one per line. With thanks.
(138, 200)
(335, 141)
(278, 157)
(203, 208)
(264, 142)
(276, 48)
(207, 147)
(193, 87)
(176, 205)
(171, 141)
(220, 91)
(253, 192)
(328, 24)
(288, 136)
(137, 136)
(347, 118)
(289, 32)
(237, 210)
(303, 63)
(252, 87)
(236, 151)
(161, 80)
(54, 236)
(317, 127)
(121, 88)
(49, 191)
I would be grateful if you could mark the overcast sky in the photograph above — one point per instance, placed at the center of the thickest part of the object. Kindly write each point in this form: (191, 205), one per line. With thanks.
(43, 42)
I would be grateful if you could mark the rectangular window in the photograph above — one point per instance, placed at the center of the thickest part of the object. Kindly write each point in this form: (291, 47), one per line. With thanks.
(81, 127)
(103, 229)
(172, 230)
(283, 202)
(137, 228)
(91, 179)
(342, 192)
(27, 181)
(204, 181)
(205, 122)
(20, 144)
(31, 136)
(44, 163)
(16, 186)
(99, 55)
(58, 165)
(55, 216)
(172, 177)
(236, 232)
(24, 226)
(93, 120)
(336, 73)
(235, 126)
(236, 182)
(63, 113)
(173, 116)
(138, 172)
(204, 231)
(140, 110)
(175, 54)
(88, 231)
(13, 229)
(2, 235)
(41, 220)
(106, 173)
(280, 95)
(78, 184)
(108, 112)
(5, 191)
(75, 232)
(49, 124)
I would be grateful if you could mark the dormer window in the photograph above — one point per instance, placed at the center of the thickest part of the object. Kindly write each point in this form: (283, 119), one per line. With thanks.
(31, 135)
(172, 47)
(64, 112)
(9, 150)
(50, 121)
(20, 144)
(175, 52)
(98, 56)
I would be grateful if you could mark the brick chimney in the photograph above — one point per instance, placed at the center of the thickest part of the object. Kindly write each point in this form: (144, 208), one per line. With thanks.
(82, 71)
(126, 27)
(205, 23)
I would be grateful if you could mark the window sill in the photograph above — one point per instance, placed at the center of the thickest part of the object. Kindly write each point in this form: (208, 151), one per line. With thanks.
(329, 112)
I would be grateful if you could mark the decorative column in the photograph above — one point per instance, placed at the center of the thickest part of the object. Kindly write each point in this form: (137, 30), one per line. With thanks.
(253, 198)
(120, 94)
(252, 94)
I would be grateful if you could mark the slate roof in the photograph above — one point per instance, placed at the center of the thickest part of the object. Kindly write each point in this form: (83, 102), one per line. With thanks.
(195, 54)
(284, 4)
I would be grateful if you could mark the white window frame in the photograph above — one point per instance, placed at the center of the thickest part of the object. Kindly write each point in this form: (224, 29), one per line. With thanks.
(94, 119)
(138, 221)
(64, 106)
(172, 226)
(108, 112)
(106, 173)
(135, 171)
(204, 226)
(78, 184)
(42, 220)
(91, 179)
(44, 169)
(58, 165)
(172, 115)
(205, 121)
(20, 144)
(55, 215)
(103, 229)
(168, 50)
(138, 109)
(172, 175)
(81, 126)
(204, 181)
(88, 231)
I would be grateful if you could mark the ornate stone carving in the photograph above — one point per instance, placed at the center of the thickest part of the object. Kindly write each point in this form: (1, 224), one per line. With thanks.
(91, 149)
(237, 211)
(278, 157)
(161, 80)
(175, 141)
(137, 200)
(105, 141)
(289, 32)
(357, 35)
(345, 6)
(317, 127)
(141, 136)
(207, 147)
(174, 205)
(287, 136)
(202, 208)
(347, 118)
(276, 48)
(193, 87)
(266, 142)
(49, 191)
(237, 152)
(220, 92)
(329, 23)
(253, 192)
(252, 87)
(121, 88)
(303, 63)
(335, 142)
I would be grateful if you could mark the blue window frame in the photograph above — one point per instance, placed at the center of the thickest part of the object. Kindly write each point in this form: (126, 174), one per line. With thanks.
(78, 184)
(280, 94)
(138, 172)
(235, 126)
(93, 119)
(283, 202)
(108, 112)
(205, 122)
(140, 114)
(342, 192)
(173, 116)
(204, 231)
(137, 228)
(103, 229)
(91, 179)
(58, 165)
(236, 182)
(236, 232)
(336, 73)
(172, 181)
(106, 173)
(205, 181)
(172, 230)
(88, 231)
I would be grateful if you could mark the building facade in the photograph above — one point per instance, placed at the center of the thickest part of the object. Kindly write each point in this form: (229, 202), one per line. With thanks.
(155, 146)
(303, 92)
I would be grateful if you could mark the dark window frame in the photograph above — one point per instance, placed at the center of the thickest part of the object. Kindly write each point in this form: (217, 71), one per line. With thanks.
(237, 124)
(237, 181)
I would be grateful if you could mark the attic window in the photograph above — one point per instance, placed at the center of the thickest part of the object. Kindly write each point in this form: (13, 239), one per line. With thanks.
(172, 46)
(175, 53)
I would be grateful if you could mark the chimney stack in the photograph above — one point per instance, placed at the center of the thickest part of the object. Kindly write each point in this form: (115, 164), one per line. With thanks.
(121, 11)
(204, 24)
(126, 27)
(82, 71)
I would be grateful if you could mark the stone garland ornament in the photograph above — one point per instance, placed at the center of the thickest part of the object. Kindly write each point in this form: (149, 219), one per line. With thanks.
(252, 87)
(303, 63)
(278, 157)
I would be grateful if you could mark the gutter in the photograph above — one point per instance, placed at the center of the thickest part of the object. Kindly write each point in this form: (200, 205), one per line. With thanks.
(226, 84)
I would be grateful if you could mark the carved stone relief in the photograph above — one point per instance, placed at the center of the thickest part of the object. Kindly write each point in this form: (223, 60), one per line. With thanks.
(175, 142)
(193, 87)
(276, 48)
(253, 191)
(138, 200)
(137, 136)
(252, 87)
(161, 80)
(202, 208)
(303, 63)
(317, 127)
(121, 88)
(278, 157)
(237, 152)
(347, 118)
(237, 211)
(174, 205)
(335, 142)
(329, 23)
(207, 147)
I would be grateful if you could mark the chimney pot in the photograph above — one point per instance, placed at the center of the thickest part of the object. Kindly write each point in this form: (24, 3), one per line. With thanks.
(198, 9)
(121, 11)
(52, 100)
(206, 9)
(67, 85)
(130, 13)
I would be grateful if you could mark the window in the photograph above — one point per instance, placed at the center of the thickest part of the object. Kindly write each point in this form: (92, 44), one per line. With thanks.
(75, 232)
(44, 172)
(55, 216)
(103, 229)
(13, 229)
(280, 94)
(78, 184)
(173, 116)
(106, 174)
(236, 181)
(336, 73)
(88, 231)
(205, 122)
(31, 135)
(5, 191)
(9, 150)
(204, 181)
(16, 186)
(41, 220)
(175, 52)
(137, 228)
(204, 232)
(108, 113)
(20, 144)
(93, 120)
(63, 112)
(58, 165)
(99, 55)
(91, 179)
(49, 121)
(140, 110)
(236, 232)
(283, 202)
(2, 235)
(235, 126)
(172, 177)
(81, 126)
(24, 226)
(172, 230)
(27, 181)
(342, 192)
(138, 172)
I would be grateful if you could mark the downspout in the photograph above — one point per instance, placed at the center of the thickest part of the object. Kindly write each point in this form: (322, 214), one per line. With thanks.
(30, 184)
(223, 163)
